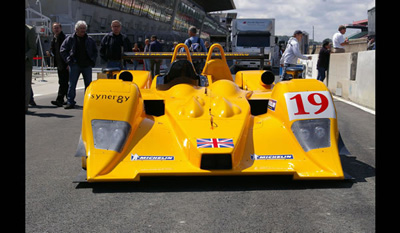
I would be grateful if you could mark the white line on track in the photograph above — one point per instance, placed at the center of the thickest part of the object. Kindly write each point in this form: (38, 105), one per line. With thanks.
(355, 105)
(52, 93)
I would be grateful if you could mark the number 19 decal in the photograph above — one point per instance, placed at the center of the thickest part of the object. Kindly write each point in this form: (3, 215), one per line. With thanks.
(309, 104)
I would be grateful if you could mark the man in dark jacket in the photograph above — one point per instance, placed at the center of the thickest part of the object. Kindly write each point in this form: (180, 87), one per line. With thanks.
(110, 50)
(79, 52)
(323, 60)
(62, 67)
(155, 46)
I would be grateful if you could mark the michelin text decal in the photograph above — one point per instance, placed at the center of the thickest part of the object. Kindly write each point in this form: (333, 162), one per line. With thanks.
(136, 157)
(269, 157)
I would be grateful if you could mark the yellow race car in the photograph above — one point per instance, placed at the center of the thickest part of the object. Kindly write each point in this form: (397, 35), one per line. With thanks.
(186, 124)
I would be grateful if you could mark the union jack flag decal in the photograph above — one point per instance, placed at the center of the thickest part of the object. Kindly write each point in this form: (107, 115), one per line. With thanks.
(215, 143)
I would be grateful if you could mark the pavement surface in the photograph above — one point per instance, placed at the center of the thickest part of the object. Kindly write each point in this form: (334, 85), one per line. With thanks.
(47, 84)
(189, 204)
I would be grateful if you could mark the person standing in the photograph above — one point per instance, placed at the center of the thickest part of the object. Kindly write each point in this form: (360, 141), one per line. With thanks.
(146, 49)
(323, 60)
(111, 46)
(30, 51)
(168, 61)
(292, 53)
(207, 45)
(80, 53)
(371, 42)
(339, 41)
(196, 44)
(135, 61)
(275, 55)
(155, 46)
(62, 67)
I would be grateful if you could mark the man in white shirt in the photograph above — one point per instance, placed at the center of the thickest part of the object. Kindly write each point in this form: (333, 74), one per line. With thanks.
(339, 41)
(292, 53)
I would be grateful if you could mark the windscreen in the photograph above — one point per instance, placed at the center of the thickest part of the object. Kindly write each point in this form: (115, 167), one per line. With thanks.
(253, 40)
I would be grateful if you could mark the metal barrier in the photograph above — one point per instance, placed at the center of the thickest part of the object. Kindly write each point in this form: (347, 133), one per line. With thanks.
(196, 55)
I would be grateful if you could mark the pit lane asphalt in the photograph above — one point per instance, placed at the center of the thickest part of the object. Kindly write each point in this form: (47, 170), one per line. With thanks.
(191, 204)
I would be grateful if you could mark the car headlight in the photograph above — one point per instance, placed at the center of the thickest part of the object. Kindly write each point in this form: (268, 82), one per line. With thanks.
(110, 135)
(313, 134)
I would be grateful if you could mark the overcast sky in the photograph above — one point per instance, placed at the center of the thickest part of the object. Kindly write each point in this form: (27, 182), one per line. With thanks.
(291, 15)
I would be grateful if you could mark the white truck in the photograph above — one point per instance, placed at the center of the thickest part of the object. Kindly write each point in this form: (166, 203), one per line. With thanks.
(249, 36)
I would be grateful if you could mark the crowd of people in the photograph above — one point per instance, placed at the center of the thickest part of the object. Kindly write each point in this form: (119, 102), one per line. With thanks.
(288, 57)
(76, 54)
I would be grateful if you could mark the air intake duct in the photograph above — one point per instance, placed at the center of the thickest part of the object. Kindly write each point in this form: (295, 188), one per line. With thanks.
(267, 78)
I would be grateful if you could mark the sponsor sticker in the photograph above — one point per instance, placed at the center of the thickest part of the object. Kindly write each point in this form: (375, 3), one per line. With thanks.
(271, 104)
(117, 98)
(136, 157)
(271, 157)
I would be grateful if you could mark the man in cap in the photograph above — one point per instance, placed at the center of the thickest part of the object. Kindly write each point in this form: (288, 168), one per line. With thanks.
(292, 53)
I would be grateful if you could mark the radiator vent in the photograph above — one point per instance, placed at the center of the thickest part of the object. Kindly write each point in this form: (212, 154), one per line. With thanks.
(216, 161)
